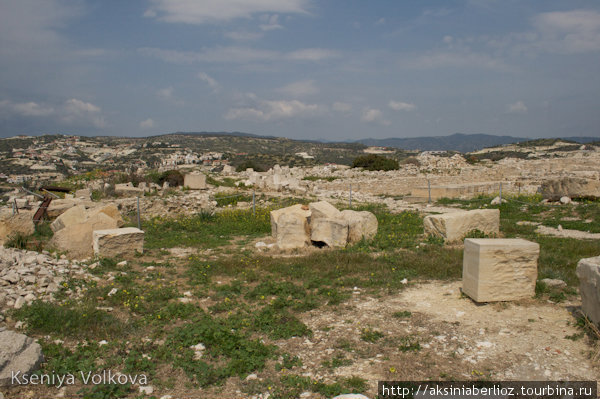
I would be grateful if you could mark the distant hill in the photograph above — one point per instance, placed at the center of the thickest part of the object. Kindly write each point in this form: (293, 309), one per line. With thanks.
(456, 142)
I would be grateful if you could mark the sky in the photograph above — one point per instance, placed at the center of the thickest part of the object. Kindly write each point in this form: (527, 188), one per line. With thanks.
(303, 69)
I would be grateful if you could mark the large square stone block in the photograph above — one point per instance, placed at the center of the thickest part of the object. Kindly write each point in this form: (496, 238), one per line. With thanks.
(454, 226)
(588, 271)
(499, 269)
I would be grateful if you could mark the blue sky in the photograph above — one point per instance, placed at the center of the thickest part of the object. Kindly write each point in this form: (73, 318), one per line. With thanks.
(333, 70)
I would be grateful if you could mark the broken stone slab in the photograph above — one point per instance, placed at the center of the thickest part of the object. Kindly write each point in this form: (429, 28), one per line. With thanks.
(572, 187)
(77, 239)
(195, 181)
(118, 242)
(361, 224)
(84, 193)
(110, 210)
(323, 209)
(333, 232)
(588, 272)
(20, 223)
(454, 226)
(18, 353)
(59, 206)
(276, 214)
(70, 217)
(499, 269)
(293, 230)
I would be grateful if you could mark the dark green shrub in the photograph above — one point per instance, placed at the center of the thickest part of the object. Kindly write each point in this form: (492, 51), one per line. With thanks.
(375, 162)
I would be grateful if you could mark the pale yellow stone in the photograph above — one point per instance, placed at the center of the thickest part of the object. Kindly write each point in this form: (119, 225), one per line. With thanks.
(454, 226)
(499, 269)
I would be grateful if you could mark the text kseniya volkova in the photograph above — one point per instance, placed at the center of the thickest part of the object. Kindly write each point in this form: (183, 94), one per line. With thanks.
(58, 380)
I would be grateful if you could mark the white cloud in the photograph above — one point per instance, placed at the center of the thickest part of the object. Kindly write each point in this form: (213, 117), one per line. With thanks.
(312, 54)
(71, 112)
(78, 112)
(341, 107)
(147, 123)
(213, 84)
(380, 21)
(518, 107)
(456, 59)
(401, 106)
(301, 88)
(243, 35)
(26, 109)
(270, 22)
(168, 94)
(266, 110)
(214, 11)
(575, 31)
(241, 55)
(373, 115)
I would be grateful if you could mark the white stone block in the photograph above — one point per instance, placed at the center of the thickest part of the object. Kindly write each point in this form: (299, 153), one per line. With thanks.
(117, 242)
(588, 271)
(499, 269)
(454, 226)
(195, 181)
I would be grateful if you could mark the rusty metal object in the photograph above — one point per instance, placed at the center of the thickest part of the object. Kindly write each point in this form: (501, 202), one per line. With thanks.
(42, 210)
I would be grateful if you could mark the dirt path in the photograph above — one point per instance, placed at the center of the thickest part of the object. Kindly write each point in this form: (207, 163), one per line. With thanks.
(458, 339)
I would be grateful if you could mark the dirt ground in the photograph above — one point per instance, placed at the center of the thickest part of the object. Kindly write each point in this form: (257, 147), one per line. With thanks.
(459, 339)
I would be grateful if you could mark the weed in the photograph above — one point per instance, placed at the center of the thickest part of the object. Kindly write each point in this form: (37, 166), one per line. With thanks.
(337, 361)
(288, 362)
(279, 323)
(371, 336)
(69, 320)
(105, 391)
(402, 314)
(17, 240)
(409, 344)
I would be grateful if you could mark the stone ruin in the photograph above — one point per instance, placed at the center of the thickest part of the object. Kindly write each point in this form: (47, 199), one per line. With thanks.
(454, 226)
(499, 269)
(320, 224)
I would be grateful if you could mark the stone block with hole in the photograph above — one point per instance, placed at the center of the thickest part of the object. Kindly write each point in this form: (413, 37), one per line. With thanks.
(499, 269)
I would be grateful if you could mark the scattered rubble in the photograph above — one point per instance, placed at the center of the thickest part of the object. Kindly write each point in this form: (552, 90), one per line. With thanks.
(28, 275)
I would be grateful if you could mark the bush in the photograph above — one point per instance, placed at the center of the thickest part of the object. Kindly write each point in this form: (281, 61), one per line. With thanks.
(249, 164)
(375, 162)
(173, 177)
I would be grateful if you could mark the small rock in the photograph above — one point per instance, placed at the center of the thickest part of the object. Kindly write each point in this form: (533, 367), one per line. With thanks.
(166, 397)
(19, 302)
(113, 292)
(565, 200)
(554, 283)
(559, 228)
(251, 377)
(147, 390)
(123, 263)
(103, 342)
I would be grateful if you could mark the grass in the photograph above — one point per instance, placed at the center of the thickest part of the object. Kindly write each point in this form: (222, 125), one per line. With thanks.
(245, 305)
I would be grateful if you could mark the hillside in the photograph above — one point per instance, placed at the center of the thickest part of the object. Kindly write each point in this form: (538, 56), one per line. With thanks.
(456, 142)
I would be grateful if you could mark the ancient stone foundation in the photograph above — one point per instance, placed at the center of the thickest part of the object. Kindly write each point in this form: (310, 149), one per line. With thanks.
(502, 269)
(588, 271)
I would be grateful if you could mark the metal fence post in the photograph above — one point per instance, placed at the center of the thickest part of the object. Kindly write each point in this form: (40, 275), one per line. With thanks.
(138, 214)
(429, 191)
(13, 209)
(351, 196)
(253, 203)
